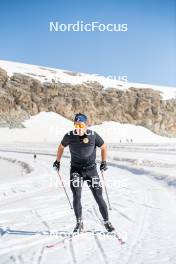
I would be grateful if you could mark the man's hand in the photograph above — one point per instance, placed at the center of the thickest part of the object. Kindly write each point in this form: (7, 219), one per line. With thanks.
(103, 166)
(56, 165)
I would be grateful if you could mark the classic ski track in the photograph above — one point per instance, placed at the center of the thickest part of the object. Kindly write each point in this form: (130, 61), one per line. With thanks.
(11, 200)
(37, 258)
(67, 244)
(123, 215)
(40, 252)
(98, 243)
(17, 259)
(131, 251)
(72, 251)
(39, 255)
(44, 223)
(126, 258)
(61, 241)
(140, 231)
(23, 245)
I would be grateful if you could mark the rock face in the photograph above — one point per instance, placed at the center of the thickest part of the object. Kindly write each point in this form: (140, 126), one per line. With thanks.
(22, 96)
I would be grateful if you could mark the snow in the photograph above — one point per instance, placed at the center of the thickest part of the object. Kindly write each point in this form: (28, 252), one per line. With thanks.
(46, 74)
(9, 170)
(50, 127)
(140, 213)
(114, 132)
(43, 127)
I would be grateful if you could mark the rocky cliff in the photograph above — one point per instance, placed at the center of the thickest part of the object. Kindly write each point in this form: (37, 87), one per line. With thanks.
(22, 96)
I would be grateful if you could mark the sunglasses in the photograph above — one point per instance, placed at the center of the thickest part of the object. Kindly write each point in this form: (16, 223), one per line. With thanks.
(80, 125)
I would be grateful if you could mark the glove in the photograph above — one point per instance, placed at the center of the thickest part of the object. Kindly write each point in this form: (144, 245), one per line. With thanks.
(103, 166)
(56, 165)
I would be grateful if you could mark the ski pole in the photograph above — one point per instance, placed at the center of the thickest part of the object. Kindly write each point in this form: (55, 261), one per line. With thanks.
(110, 208)
(64, 189)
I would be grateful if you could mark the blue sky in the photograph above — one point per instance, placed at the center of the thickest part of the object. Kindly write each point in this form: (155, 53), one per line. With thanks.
(145, 53)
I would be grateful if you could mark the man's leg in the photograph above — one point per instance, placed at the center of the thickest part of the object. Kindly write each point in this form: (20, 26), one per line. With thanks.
(76, 187)
(94, 184)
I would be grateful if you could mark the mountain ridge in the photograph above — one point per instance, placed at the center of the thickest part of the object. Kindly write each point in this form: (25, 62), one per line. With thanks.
(22, 96)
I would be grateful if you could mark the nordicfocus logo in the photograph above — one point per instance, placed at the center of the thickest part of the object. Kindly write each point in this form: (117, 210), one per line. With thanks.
(80, 26)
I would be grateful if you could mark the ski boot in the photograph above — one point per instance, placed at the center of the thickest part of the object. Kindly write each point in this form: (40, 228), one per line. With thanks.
(109, 227)
(78, 227)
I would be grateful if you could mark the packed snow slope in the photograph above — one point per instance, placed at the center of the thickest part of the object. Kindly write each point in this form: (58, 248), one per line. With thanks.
(51, 127)
(45, 74)
(143, 213)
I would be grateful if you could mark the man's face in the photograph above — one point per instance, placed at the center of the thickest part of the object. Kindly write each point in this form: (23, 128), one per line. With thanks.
(80, 128)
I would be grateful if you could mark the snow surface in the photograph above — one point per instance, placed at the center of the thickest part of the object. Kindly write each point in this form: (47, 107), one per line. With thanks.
(50, 127)
(143, 213)
(9, 171)
(45, 74)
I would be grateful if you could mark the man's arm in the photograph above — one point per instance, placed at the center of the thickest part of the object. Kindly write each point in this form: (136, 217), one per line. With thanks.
(65, 142)
(99, 142)
(60, 152)
(103, 152)
(103, 165)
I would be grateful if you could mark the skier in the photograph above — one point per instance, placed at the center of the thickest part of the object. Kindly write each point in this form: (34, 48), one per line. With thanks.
(35, 156)
(82, 143)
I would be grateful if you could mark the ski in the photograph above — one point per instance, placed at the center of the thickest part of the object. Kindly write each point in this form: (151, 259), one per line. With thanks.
(119, 239)
(112, 234)
(70, 236)
(66, 235)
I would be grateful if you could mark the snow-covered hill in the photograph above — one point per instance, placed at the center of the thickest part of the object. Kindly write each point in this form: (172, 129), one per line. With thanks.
(45, 74)
(50, 127)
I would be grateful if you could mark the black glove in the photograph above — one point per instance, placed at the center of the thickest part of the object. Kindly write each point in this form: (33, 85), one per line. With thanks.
(56, 165)
(103, 166)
